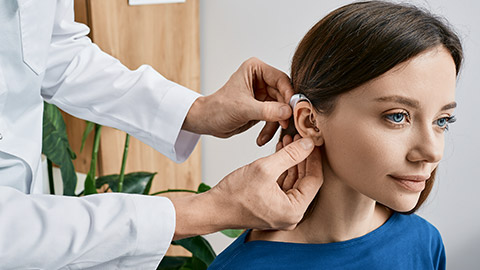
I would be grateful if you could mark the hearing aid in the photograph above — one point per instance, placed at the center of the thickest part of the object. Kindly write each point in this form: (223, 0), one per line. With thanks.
(295, 99)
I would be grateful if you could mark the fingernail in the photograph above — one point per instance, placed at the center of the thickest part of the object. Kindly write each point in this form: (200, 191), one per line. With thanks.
(284, 112)
(306, 143)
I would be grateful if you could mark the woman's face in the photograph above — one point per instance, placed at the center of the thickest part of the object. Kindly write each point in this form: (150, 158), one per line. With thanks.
(385, 138)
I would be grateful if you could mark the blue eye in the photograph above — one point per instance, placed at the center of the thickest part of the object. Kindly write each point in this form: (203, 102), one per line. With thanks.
(445, 121)
(396, 117)
(442, 122)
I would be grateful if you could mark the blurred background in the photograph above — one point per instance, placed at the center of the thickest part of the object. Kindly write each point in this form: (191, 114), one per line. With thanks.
(232, 31)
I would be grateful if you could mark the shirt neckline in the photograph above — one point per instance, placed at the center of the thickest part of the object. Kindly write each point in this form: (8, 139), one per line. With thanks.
(369, 237)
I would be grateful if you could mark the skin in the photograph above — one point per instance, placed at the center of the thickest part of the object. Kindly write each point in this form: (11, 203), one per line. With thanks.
(250, 196)
(255, 92)
(363, 148)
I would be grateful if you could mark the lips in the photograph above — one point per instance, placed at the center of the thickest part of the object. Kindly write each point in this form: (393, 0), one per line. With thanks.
(413, 183)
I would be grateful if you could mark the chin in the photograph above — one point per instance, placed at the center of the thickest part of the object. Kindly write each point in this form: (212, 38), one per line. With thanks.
(402, 204)
(403, 209)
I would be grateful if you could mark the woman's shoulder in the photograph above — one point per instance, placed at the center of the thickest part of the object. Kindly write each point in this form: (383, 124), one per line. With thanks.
(420, 236)
(229, 255)
(423, 238)
(417, 225)
(234, 256)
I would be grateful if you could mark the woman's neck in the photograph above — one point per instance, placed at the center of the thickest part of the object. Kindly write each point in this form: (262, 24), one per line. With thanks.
(341, 213)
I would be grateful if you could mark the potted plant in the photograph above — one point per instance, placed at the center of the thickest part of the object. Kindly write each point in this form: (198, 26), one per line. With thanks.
(57, 150)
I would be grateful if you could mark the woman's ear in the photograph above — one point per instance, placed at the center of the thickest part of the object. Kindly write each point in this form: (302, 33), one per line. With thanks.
(306, 123)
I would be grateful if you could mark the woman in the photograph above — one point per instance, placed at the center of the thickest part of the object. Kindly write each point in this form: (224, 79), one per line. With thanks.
(378, 85)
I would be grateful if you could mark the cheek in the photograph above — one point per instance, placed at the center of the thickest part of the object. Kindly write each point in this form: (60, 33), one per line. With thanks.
(361, 155)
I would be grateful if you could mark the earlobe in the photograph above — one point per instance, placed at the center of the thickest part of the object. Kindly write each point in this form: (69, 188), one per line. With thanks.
(306, 124)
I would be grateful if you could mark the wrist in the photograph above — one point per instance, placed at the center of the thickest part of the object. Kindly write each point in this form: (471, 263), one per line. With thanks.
(193, 121)
(199, 214)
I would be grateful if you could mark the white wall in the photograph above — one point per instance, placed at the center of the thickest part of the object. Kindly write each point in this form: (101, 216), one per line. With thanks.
(233, 30)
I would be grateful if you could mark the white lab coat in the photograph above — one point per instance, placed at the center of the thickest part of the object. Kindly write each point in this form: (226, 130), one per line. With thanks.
(44, 54)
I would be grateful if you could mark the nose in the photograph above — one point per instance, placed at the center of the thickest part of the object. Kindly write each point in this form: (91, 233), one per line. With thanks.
(428, 145)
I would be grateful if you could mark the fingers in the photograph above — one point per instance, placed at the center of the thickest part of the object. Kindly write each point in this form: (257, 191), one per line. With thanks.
(288, 156)
(301, 167)
(277, 80)
(281, 179)
(313, 165)
(306, 188)
(255, 92)
(291, 172)
(284, 123)
(267, 133)
(275, 85)
(272, 90)
(269, 111)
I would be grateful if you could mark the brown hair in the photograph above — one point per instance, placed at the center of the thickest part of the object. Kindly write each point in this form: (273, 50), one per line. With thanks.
(359, 42)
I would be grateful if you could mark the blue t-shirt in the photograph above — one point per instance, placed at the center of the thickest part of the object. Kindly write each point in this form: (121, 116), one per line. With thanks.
(403, 242)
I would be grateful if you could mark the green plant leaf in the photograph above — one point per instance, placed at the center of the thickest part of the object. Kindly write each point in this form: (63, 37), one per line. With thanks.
(203, 187)
(148, 187)
(90, 181)
(187, 266)
(86, 132)
(194, 264)
(89, 185)
(173, 263)
(69, 180)
(181, 263)
(135, 183)
(232, 233)
(56, 147)
(198, 264)
(199, 247)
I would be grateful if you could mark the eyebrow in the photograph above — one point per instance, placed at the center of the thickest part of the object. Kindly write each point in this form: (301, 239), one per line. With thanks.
(411, 102)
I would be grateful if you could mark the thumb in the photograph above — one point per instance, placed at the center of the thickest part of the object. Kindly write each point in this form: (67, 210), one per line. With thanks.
(270, 111)
(289, 156)
(305, 189)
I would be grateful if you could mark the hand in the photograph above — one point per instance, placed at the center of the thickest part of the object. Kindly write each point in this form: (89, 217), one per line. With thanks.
(256, 91)
(312, 166)
(250, 196)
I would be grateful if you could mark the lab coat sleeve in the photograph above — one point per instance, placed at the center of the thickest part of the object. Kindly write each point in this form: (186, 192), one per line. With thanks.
(104, 231)
(90, 84)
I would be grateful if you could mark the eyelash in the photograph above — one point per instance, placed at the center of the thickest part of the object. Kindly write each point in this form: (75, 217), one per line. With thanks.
(448, 119)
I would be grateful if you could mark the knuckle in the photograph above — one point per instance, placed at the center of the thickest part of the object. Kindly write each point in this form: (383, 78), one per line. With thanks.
(287, 220)
(289, 223)
(290, 228)
(293, 152)
(294, 218)
(267, 111)
(253, 60)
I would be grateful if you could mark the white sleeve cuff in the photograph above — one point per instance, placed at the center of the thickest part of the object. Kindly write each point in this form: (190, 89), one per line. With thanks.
(172, 113)
(156, 225)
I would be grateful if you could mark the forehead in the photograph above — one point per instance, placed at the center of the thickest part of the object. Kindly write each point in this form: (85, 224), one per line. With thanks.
(428, 78)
